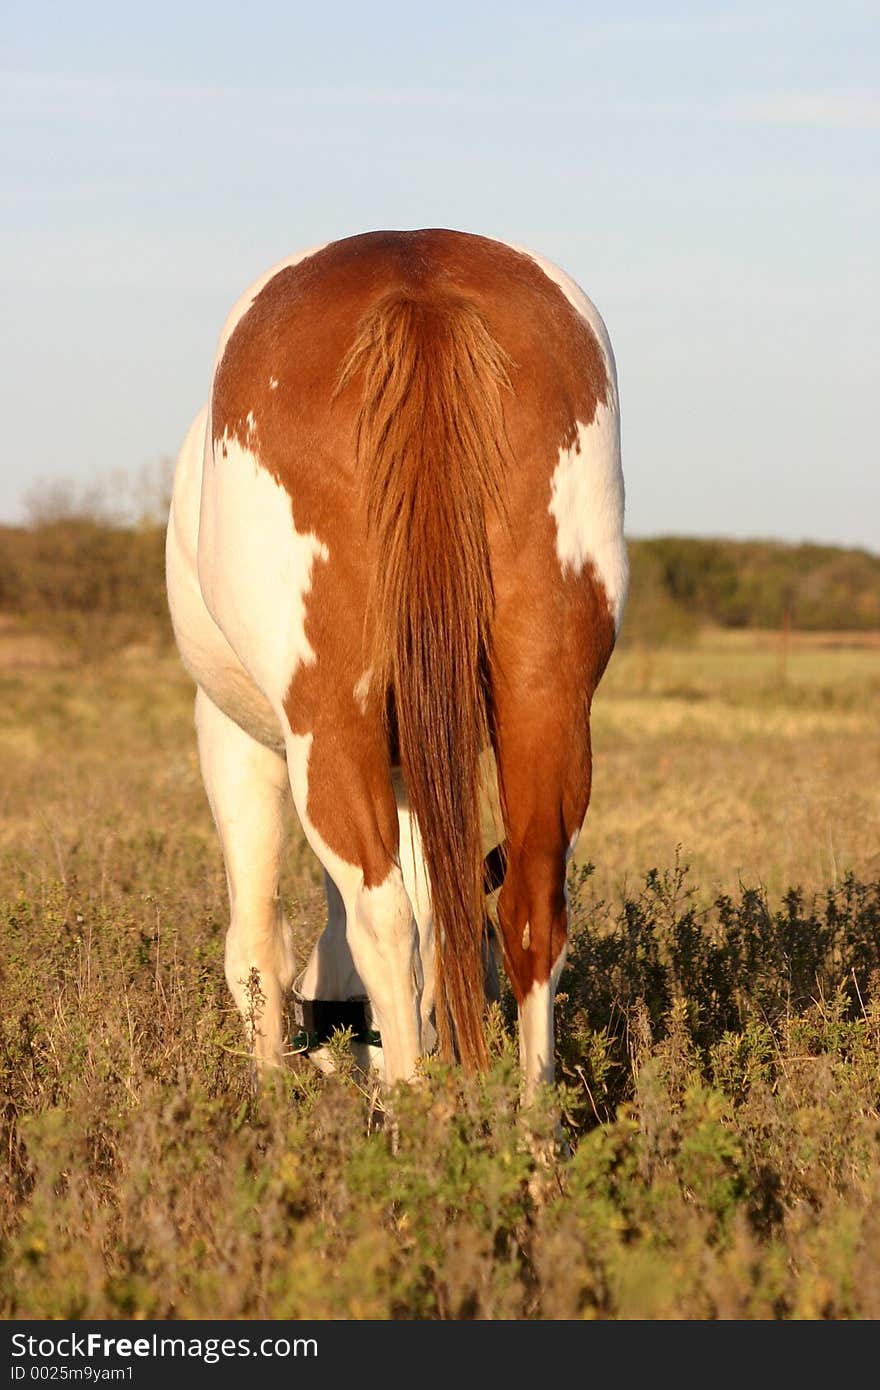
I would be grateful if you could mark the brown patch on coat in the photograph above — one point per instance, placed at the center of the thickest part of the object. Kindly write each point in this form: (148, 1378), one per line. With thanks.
(551, 633)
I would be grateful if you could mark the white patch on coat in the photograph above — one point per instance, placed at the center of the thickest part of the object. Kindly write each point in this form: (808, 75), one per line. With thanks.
(203, 648)
(536, 1034)
(273, 383)
(536, 1041)
(255, 568)
(362, 690)
(536, 1013)
(587, 491)
(586, 502)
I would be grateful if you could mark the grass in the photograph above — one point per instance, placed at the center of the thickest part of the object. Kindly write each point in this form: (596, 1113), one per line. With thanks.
(718, 1028)
(759, 755)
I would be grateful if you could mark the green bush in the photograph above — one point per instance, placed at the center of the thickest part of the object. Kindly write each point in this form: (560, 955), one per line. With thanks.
(759, 584)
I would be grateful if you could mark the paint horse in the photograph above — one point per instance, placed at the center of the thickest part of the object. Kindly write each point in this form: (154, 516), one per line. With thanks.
(395, 541)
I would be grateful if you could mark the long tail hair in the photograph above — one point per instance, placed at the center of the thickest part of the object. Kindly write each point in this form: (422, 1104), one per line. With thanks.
(431, 451)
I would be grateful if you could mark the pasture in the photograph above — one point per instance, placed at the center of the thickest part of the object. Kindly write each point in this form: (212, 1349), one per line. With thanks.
(718, 1025)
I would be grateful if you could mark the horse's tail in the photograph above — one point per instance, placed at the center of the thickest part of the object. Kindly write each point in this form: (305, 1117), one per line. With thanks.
(431, 451)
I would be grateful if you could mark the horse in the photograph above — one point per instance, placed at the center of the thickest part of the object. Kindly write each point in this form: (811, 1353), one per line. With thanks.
(395, 548)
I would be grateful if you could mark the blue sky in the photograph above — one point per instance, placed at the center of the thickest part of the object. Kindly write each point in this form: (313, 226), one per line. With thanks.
(710, 174)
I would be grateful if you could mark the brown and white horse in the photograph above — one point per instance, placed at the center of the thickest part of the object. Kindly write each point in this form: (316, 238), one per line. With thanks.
(396, 538)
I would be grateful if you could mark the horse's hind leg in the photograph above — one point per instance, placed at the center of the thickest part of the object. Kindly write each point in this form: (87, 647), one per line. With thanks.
(247, 787)
(345, 801)
(544, 768)
(330, 974)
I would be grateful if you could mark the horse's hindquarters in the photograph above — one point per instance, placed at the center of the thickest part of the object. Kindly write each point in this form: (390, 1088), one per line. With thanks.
(410, 500)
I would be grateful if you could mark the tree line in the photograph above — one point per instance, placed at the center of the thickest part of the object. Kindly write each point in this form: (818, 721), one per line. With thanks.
(91, 574)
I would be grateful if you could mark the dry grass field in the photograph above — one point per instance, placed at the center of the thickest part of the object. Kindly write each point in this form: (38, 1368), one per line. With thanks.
(719, 1029)
(758, 754)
